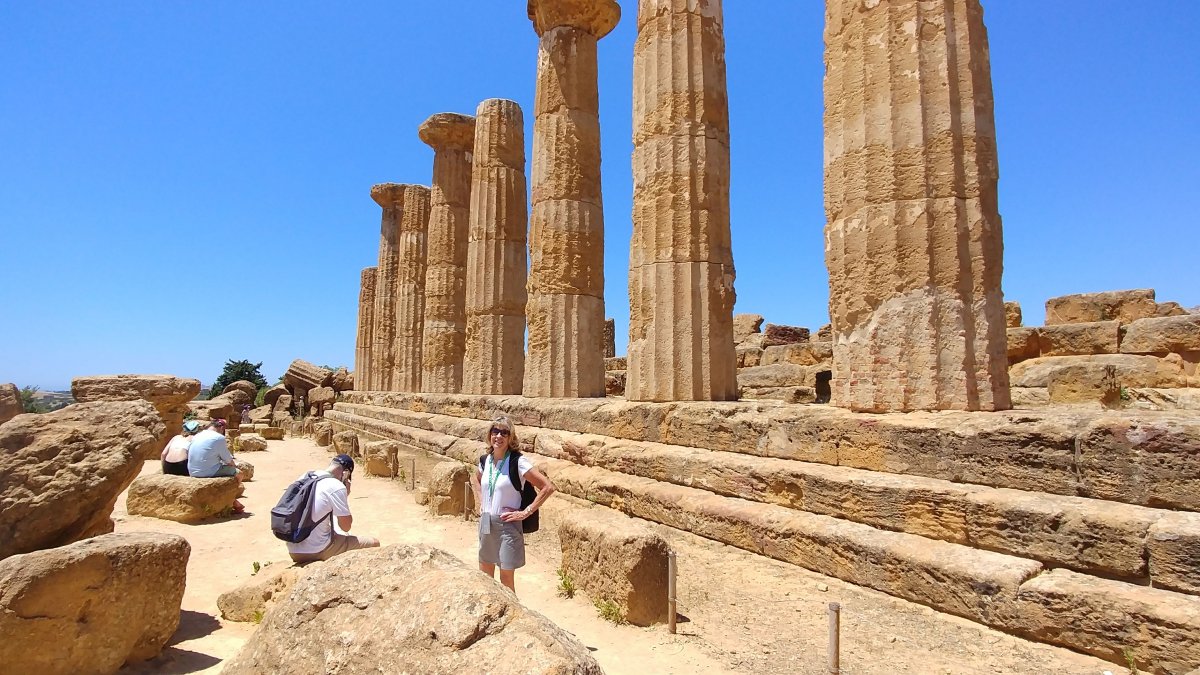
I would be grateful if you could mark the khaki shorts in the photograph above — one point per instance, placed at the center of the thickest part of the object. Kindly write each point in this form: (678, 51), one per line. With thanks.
(340, 543)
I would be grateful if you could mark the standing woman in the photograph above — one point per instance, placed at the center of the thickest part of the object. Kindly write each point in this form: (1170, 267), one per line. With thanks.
(501, 541)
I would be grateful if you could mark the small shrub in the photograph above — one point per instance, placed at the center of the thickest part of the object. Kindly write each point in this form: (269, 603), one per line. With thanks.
(256, 567)
(1125, 395)
(566, 585)
(1130, 660)
(257, 616)
(609, 611)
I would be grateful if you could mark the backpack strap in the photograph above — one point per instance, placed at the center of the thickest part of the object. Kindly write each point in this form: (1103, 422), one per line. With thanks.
(514, 470)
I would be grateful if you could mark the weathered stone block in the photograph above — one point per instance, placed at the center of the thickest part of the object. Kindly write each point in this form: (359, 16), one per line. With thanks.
(1154, 461)
(1174, 551)
(446, 482)
(322, 433)
(251, 443)
(272, 395)
(381, 458)
(745, 325)
(784, 335)
(182, 498)
(779, 375)
(245, 470)
(304, 376)
(748, 357)
(614, 383)
(615, 363)
(1086, 383)
(1132, 370)
(251, 600)
(801, 354)
(1122, 306)
(10, 402)
(346, 443)
(618, 560)
(1075, 339)
(1162, 335)
(92, 606)
(272, 433)
(1012, 314)
(1022, 344)
(1170, 309)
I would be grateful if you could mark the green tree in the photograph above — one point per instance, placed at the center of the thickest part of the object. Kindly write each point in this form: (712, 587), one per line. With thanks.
(238, 370)
(30, 402)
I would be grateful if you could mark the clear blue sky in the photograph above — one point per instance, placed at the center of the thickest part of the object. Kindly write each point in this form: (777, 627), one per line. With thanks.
(183, 183)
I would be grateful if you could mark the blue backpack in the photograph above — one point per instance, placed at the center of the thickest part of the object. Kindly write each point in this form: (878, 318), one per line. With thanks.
(291, 519)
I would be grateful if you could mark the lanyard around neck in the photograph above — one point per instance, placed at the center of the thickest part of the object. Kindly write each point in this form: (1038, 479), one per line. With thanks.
(494, 475)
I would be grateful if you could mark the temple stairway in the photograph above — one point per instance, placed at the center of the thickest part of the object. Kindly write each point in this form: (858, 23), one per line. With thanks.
(1075, 528)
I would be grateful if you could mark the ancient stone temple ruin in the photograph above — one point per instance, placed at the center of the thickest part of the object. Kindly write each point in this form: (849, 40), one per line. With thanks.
(1078, 509)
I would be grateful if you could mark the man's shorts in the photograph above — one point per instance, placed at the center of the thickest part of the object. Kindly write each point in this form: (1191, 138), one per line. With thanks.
(225, 471)
(504, 545)
(340, 543)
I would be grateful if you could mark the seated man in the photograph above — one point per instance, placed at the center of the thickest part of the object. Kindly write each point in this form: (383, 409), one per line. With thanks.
(330, 501)
(209, 456)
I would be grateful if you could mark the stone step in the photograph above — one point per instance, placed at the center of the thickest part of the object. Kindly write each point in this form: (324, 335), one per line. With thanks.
(1137, 457)
(1088, 535)
(1006, 592)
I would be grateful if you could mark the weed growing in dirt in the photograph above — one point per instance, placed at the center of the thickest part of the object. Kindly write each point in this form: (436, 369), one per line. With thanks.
(566, 585)
(258, 616)
(609, 611)
(256, 567)
(1128, 653)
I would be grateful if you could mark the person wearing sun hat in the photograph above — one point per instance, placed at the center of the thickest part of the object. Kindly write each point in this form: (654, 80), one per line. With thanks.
(174, 456)
(330, 504)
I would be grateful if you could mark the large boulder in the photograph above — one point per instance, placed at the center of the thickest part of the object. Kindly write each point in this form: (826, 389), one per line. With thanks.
(341, 380)
(273, 394)
(304, 375)
(620, 560)
(409, 608)
(10, 402)
(61, 472)
(221, 407)
(321, 399)
(1123, 306)
(745, 325)
(182, 498)
(1162, 335)
(92, 606)
(245, 386)
(260, 415)
(168, 394)
(1023, 344)
(251, 600)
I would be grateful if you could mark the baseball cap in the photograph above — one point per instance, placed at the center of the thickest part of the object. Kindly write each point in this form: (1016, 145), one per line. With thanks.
(346, 461)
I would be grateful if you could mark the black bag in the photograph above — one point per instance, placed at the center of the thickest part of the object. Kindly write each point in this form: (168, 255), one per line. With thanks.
(291, 519)
(528, 492)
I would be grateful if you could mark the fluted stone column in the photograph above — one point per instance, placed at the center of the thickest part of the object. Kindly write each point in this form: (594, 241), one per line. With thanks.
(390, 197)
(366, 317)
(496, 255)
(443, 341)
(912, 237)
(681, 262)
(566, 234)
(410, 289)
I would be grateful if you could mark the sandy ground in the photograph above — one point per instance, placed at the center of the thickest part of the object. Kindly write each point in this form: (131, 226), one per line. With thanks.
(741, 613)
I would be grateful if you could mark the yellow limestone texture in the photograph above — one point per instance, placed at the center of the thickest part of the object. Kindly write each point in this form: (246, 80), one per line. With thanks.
(410, 289)
(566, 279)
(443, 341)
(680, 263)
(494, 362)
(912, 238)
(366, 318)
(390, 196)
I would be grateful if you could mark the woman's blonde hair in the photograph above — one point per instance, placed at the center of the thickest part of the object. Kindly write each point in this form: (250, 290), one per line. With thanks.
(502, 422)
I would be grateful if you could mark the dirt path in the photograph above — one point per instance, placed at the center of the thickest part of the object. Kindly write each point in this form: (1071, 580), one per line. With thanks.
(744, 613)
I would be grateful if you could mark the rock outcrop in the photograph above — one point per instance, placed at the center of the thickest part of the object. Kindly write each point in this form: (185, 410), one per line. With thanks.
(168, 394)
(182, 498)
(251, 600)
(245, 386)
(620, 560)
(409, 608)
(61, 472)
(92, 606)
(10, 402)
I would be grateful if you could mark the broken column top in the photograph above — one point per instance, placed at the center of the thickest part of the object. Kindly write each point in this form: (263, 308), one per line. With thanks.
(387, 194)
(597, 17)
(448, 131)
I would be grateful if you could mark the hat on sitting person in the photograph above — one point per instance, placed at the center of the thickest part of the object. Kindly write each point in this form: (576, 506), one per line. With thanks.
(219, 423)
(345, 461)
(191, 426)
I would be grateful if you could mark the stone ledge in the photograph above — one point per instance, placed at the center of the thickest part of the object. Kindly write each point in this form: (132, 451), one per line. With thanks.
(181, 498)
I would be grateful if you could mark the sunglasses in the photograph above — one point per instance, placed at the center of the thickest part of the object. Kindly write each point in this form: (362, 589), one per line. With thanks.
(502, 432)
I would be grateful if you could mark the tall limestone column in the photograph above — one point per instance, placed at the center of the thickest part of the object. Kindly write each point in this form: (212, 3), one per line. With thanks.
(494, 362)
(443, 340)
(912, 237)
(410, 289)
(566, 278)
(390, 196)
(680, 261)
(366, 317)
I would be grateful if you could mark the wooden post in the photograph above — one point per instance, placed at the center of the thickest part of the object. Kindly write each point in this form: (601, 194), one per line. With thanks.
(835, 656)
(412, 475)
(466, 501)
(671, 573)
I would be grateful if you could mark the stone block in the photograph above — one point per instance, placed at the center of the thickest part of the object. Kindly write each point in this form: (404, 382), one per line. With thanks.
(1076, 339)
(10, 402)
(381, 458)
(182, 498)
(1153, 461)
(1162, 335)
(446, 482)
(620, 560)
(615, 363)
(745, 325)
(304, 375)
(271, 396)
(245, 470)
(1132, 370)
(779, 375)
(322, 433)
(1086, 383)
(748, 357)
(251, 600)
(251, 443)
(1122, 306)
(1104, 618)
(1174, 551)
(1170, 309)
(614, 383)
(800, 354)
(784, 335)
(168, 394)
(272, 433)
(341, 380)
(92, 606)
(1022, 344)
(1012, 314)
(785, 394)
(346, 443)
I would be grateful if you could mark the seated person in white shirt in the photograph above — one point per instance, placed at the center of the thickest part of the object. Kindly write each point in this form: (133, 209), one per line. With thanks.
(330, 501)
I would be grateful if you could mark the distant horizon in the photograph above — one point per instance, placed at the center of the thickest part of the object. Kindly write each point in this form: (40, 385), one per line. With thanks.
(197, 175)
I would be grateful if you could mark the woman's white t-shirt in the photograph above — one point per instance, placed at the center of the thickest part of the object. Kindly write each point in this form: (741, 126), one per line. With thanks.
(503, 497)
(177, 448)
